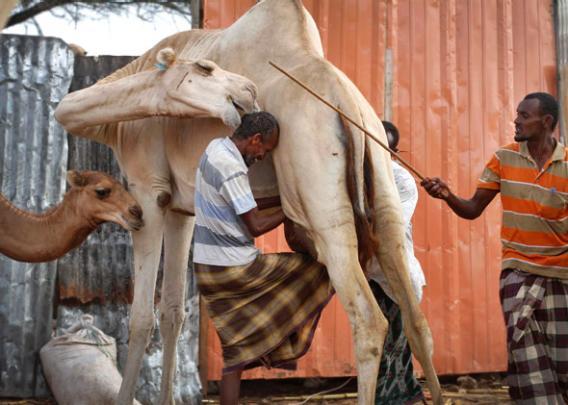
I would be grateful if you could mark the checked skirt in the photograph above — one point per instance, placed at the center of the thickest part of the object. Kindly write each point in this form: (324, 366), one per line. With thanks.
(536, 316)
(265, 313)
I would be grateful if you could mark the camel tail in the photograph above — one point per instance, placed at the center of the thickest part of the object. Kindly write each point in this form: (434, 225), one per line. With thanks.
(360, 185)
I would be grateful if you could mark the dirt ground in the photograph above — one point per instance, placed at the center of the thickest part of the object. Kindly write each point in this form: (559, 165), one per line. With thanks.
(464, 390)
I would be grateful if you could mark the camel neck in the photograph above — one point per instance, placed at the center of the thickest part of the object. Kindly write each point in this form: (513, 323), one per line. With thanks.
(41, 237)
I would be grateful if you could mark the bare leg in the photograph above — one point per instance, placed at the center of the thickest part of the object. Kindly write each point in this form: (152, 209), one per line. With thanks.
(177, 240)
(231, 388)
(147, 245)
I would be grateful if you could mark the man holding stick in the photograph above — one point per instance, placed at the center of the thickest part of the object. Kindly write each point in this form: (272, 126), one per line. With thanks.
(532, 177)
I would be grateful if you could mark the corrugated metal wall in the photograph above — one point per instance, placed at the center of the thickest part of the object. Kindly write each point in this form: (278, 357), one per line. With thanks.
(459, 68)
(33, 161)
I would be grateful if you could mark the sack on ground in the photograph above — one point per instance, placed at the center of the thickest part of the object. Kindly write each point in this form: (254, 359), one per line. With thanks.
(80, 366)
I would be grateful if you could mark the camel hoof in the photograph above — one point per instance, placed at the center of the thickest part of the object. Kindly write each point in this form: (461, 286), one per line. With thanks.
(164, 199)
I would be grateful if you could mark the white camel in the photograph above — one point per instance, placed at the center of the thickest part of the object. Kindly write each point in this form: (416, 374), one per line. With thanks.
(321, 182)
(112, 112)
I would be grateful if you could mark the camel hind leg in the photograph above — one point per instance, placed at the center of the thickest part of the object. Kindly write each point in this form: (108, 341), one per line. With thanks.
(368, 324)
(177, 241)
(392, 258)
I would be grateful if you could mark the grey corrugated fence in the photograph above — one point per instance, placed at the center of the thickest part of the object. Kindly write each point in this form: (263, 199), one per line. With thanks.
(34, 74)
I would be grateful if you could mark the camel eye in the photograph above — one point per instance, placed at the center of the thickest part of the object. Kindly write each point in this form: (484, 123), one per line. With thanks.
(206, 67)
(102, 193)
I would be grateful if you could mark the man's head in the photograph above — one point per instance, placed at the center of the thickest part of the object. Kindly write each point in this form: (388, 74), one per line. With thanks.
(537, 116)
(256, 136)
(392, 135)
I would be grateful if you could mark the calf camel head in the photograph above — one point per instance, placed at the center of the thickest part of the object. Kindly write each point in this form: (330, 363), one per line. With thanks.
(100, 198)
(204, 87)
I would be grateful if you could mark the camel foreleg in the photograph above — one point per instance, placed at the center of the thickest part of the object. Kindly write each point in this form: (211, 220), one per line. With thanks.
(177, 241)
(147, 244)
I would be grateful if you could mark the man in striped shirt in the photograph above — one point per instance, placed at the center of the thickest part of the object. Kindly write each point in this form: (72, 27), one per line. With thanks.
(532, 177)
(265, 307)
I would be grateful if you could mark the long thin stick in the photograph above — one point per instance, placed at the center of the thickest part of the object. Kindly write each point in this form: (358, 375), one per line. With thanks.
(373, 137)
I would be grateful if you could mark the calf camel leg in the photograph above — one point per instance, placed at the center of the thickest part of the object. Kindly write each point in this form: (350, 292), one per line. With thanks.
(177, 241)
(368, 324)
(147, 248)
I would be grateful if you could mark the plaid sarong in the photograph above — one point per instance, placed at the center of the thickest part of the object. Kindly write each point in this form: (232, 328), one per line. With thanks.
(266, 312)
(536, 316)
(397, 384)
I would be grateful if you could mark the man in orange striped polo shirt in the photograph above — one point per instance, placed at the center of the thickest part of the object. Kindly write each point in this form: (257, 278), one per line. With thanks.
(532, 177)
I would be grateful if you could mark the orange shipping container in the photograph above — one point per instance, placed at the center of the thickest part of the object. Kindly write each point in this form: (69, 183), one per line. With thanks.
(449, 74)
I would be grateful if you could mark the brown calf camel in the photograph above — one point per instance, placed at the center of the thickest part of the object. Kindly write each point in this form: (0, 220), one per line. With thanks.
(318, 169)
(94, 198)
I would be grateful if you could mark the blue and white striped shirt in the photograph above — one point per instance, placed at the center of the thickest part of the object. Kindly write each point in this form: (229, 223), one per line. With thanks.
(222, 193)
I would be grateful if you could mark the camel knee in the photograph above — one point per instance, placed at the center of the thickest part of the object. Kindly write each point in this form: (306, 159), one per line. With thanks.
(141, 327)
(369, 335)
(172, 316)
(418, 333)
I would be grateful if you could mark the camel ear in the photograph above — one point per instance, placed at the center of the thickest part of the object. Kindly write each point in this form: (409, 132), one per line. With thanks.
(165, 58)
(76, 179)
(206, 65)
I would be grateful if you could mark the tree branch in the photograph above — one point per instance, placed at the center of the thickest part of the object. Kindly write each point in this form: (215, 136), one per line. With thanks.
(100, 5)
(34, 10)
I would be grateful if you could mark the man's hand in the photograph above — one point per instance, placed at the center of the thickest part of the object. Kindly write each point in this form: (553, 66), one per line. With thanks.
(436, 187)
(468, 209)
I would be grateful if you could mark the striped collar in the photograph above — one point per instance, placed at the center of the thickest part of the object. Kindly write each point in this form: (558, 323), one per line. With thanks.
(559, 152)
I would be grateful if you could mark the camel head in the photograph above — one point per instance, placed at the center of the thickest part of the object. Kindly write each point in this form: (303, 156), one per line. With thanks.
(100, 198)
(204, 89)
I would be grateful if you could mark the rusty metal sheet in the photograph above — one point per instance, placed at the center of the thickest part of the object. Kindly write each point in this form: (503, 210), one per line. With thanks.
(459, 69)
(33, 160)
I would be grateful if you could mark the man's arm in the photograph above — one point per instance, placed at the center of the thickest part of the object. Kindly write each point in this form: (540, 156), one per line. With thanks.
(258, 223)
(468, 209)
(268, 202)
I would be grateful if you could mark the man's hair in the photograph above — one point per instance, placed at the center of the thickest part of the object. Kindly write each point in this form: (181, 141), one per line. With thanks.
(262, 123)
(548, 105)
(390, 127)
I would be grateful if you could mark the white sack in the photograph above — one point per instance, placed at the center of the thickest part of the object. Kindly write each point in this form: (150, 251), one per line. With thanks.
(80, 366)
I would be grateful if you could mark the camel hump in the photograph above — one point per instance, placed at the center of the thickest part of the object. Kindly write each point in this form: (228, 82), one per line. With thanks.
(147, 60)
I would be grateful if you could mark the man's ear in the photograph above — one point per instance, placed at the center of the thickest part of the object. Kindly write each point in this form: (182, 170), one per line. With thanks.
(547, 121)
(256, 139)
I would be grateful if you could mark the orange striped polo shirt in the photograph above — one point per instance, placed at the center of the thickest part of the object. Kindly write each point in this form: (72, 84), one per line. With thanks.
(534, 232)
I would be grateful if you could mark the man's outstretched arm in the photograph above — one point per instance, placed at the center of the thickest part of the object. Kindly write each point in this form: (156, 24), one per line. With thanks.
(468, 209)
